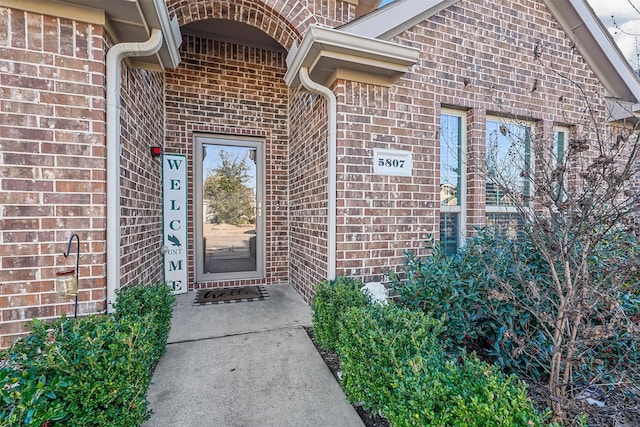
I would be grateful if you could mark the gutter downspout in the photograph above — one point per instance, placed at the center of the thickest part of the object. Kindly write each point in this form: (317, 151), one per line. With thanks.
(332, 102)
(114, 58)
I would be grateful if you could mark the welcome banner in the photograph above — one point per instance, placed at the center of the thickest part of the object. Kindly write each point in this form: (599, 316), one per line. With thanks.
(174, 195)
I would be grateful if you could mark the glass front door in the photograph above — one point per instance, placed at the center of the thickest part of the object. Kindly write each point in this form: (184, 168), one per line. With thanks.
(229, 243)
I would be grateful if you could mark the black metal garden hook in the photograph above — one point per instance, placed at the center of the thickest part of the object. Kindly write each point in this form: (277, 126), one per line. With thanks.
(66, 255)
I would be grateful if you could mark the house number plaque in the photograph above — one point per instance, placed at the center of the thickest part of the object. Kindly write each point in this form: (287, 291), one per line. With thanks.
(392, 162)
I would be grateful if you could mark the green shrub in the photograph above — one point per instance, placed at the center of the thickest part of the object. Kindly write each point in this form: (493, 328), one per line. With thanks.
(497, 292)
(463, 288)
(392, 362)
(92, 371)
(375, 342)
(106, 367)
(431, 391)
(153, 303)
(331, 301)
(29, 391)
(446, 286)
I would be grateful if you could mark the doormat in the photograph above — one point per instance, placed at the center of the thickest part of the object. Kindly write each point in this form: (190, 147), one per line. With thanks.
(229, 295)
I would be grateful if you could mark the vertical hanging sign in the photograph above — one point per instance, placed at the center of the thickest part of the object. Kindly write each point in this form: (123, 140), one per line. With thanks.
(174, 239)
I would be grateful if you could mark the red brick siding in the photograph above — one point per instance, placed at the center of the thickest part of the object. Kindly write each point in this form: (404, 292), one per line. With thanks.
(142, 126)
(52, 169)
(475, 55)
(379, 217)
(482, 58)
(308, 192)
(222, 88)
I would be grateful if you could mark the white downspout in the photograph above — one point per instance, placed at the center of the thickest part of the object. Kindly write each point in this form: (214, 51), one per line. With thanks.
(332, 103)
(114, 58)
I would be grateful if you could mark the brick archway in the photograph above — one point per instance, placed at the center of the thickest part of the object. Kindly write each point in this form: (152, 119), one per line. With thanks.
(283, 20)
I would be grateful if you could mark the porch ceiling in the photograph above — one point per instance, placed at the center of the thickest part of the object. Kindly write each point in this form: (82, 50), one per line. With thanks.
(366, 6)
(233, 32)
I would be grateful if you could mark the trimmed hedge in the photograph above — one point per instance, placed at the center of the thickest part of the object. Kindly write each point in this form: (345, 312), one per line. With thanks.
(92, 371)
(374, 342)
(393, 362)
(430, 391)
(331, 301)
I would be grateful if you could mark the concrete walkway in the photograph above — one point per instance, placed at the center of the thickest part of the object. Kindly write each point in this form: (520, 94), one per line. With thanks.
(245, 364)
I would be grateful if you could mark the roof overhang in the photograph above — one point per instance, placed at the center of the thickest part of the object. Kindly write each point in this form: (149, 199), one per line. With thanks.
(331, 54)
(595, 44)
(125, 21)
(576, 17)
(395, 18)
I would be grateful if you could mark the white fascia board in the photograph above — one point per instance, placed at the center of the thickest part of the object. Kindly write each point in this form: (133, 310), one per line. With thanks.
(598, 48)
(395, 18)
(349, 50)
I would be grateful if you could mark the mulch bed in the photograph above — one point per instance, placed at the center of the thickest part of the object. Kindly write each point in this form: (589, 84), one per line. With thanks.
(333, 363)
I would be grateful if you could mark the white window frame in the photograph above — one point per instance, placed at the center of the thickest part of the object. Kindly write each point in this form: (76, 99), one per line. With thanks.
(238, 141)
(461, 207)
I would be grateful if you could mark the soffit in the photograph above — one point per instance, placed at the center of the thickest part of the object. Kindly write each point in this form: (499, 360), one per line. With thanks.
(329, 54)
(232, 32)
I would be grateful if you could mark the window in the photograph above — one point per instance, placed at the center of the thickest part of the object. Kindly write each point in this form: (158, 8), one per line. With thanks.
(560, 141)
(508, 163)
(452, 177)
(505, 224)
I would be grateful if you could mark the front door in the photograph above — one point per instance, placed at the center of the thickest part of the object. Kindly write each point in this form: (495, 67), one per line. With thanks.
(229, 194)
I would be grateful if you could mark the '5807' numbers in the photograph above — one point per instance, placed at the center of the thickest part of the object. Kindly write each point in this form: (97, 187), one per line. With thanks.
(390, 163)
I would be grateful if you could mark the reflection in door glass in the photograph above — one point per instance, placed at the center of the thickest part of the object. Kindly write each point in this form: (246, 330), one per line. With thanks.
(229, 208)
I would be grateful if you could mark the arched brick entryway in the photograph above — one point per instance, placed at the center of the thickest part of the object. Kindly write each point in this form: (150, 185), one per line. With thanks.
(283, 20)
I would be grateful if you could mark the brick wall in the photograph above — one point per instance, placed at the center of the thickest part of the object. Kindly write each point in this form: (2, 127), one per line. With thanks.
(332, 13)
(221, 88)
(308, 192)
(294, 245)
(379, 217)
(504, 59)
(52, 167)
(476, 56)
(142, 120)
